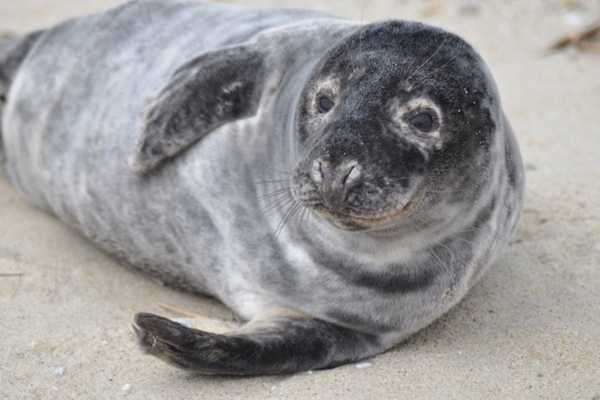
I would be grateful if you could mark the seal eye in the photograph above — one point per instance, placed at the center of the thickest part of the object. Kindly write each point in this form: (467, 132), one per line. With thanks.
(423, 121)
(325, 104)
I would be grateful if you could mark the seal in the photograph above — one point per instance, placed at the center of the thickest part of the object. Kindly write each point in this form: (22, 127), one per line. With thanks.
(339, 185)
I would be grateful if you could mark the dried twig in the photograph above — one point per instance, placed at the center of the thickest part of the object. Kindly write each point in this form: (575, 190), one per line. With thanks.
(582, 40)
(11, 274)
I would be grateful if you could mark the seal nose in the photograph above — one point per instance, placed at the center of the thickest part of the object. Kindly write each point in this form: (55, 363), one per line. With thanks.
(334, 182)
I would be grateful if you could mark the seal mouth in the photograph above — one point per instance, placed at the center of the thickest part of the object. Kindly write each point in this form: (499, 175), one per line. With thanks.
(348, 221)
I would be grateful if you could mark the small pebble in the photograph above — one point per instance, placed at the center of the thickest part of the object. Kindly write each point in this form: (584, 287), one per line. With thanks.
(363, 365)
(59, 371)
(126, 387)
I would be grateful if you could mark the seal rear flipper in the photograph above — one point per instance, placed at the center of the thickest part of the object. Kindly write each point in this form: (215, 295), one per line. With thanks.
(280, 345)
(215, 88)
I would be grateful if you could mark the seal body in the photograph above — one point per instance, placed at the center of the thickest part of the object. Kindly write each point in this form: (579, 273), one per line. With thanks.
(170, 133)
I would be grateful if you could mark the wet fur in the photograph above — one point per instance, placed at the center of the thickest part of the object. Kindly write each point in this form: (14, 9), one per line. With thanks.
(204, 204)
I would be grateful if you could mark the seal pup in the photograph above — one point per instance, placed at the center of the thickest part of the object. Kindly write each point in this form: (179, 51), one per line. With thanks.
(338, 185)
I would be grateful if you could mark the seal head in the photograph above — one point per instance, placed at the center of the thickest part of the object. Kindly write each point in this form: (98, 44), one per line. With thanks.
(384, 115)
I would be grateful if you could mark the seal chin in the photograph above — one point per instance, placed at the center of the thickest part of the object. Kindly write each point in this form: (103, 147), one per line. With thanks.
(354, 222)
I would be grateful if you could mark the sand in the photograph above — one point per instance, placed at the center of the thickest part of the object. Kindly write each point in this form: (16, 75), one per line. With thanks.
(529, 330)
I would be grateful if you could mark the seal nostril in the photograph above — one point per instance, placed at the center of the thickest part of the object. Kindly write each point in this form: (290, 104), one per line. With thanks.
(351, 174)
(316, 171)
(347, 177)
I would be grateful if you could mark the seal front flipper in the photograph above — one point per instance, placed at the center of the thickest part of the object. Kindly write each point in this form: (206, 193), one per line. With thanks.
(277, 345)
(215, 88)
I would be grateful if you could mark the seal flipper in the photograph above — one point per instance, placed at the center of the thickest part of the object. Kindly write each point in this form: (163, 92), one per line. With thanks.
(278, 345)
(215, 88)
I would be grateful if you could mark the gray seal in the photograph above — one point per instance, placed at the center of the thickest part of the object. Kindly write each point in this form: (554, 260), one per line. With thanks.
(338, 185)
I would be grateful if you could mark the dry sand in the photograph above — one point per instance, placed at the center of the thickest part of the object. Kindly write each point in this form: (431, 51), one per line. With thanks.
(530, 330)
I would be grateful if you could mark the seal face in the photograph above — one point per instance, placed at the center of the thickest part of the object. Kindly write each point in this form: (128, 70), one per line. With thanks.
(379, 122)
(158, 140)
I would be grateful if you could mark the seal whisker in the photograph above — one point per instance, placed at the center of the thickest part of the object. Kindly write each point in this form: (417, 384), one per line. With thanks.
(427, 60)
(286, 217)
(277, 203)
(434, 71)
(316, 143)
(449, 263)
(299, 213)
(305, 215)
(439, 261)
(273, 193)
(299, 209)
(271, 181)
(280, 201)
(267, 187)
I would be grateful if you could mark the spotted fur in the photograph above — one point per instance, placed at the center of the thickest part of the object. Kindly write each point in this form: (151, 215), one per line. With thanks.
(359, 228)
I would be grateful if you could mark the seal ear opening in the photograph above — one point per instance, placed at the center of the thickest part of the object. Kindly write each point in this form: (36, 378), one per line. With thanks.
(209, 91)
